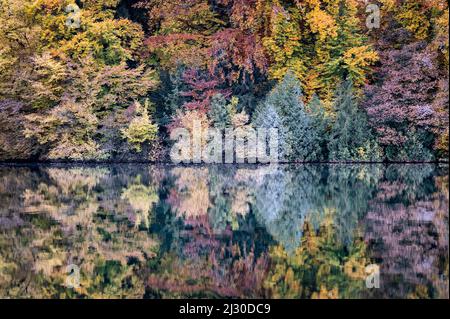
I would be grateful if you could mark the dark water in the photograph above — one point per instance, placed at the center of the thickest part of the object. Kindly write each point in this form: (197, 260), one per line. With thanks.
(306, 231)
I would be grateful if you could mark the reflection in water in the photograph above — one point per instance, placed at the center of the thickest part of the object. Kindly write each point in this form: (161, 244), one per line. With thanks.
(306, 231)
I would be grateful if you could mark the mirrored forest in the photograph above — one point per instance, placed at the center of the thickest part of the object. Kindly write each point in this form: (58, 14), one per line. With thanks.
(285, 231)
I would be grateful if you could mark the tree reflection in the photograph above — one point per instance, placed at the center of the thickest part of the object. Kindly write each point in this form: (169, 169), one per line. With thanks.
(299, 231)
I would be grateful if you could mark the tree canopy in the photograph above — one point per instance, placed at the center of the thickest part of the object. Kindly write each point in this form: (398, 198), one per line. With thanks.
(75, 73)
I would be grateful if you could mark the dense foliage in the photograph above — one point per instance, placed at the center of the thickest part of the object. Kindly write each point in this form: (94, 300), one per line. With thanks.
(291, 231)
(75, 76)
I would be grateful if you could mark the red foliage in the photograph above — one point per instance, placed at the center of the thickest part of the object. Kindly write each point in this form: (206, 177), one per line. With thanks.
(158, 41)
(404, 94)
(236, 52)
(203, 86)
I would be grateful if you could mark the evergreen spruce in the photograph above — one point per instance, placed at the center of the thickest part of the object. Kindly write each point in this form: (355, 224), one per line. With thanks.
(351, 138)
(220, 113)
(299, 137)
(320, 124)
(414, 150)
(265, 116)
(173, 100)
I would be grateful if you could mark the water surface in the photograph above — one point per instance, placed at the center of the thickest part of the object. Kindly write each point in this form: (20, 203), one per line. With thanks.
(304, 231)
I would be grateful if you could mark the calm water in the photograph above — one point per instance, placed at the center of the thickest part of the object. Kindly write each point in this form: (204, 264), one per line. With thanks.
(306, 231)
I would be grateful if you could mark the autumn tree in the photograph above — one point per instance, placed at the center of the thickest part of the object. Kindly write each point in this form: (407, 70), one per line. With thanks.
(13, 145)
(320, 41)
(181, 31)
(409, 91)
(141, 129)
(75, 74)
(78, 70)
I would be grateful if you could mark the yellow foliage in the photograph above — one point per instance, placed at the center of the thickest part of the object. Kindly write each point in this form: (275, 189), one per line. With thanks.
(141, 129)
(141, 198)
(322, 23)
(357, 61)
(324, 293)
(414, 19)
(284, 46)
(355, 268)
(317, 262)
(192, 192)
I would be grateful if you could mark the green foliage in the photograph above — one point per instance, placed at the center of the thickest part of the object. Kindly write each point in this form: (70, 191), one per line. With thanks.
(75, 82)
(220, 112)
(320, 123)
(141, 128)
(321, 268)
(13, 145)
(265, 116)
(294, 233)
(351, 56)
(320, 41)
(71, 79)
(299, 137)
(68, 126)
(172, 98)
(350, 138)
(414, 149)
(285, 47)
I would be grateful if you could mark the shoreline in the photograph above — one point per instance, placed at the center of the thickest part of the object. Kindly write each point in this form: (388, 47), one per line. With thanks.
(160, 163)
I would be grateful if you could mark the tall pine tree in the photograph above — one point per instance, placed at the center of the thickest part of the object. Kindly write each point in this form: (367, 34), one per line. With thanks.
(220, 112)
(350, 138)
(299, 135)
(266, 117)
(320, 124)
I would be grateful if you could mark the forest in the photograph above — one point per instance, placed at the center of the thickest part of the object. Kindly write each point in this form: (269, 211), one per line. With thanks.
(153, 231)
(108, 80)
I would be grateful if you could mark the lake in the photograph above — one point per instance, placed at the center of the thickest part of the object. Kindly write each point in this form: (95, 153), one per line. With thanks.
(285, 231)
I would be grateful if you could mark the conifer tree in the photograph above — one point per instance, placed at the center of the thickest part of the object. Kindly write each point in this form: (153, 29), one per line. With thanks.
(300, 137)
(220, 113)
(266, 117)
(413, 150)
(350, 138)
(350, 56)
(172, 97)
(320, 124)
